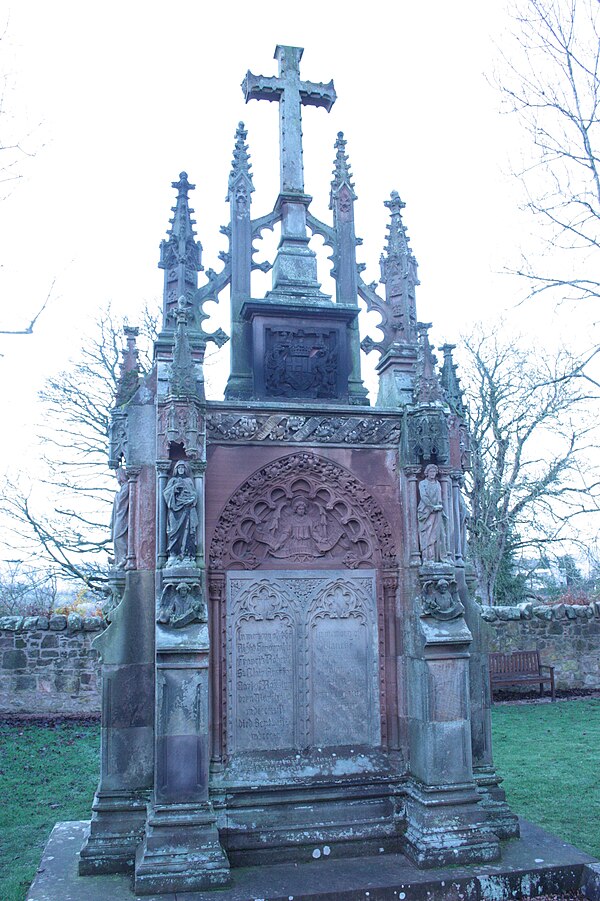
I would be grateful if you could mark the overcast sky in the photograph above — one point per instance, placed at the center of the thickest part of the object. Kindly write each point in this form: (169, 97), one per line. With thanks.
(113, 100)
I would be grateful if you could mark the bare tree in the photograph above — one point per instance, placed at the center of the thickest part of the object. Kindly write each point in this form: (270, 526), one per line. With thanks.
(551, 80)
(74, 482)
(531, 482)
(62, 517)
(14, 152)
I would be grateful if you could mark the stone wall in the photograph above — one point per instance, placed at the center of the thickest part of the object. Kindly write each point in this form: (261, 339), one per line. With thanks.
(567, 637)
(47, 664)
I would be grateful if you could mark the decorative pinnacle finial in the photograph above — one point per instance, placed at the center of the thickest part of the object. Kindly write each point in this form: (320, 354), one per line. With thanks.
(182, 380)
(240, 164)
(341, 172)
(180, 253)
(451, 382)
(129, 376)
(182, 224)
(397, 239)
(427, 385)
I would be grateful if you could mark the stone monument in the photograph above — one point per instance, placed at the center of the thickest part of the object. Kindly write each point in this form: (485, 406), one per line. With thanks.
(293, 665)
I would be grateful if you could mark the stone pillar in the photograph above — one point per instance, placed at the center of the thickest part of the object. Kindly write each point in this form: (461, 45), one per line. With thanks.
(181, 850)
(161, 514)
(459, 551)
(126, 648)
(412, 474)
(216, 601)
(499, 819)
(448, 502)
(198, 470)
(132, 477)
(393, 659)
(443, 814)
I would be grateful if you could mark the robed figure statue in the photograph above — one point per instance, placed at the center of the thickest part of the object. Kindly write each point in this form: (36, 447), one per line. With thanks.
(433, 533)
(119, 523)
(182, 519)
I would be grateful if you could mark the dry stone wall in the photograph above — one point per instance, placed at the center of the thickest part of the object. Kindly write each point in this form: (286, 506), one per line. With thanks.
(567, 637)
(48, 666)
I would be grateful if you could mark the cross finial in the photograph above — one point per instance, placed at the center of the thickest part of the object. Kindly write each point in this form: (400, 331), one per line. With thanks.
(291, 94)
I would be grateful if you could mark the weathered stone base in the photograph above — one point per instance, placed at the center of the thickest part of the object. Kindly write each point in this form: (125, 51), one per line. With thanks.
(501, 820)
(181, 851)
(279, 809)
(536, 864)
(445, 827)
(116, 830)
(270, 827)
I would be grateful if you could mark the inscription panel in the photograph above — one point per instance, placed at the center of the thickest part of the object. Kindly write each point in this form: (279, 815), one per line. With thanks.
(265, 675)
(340, 682)
(302, 654)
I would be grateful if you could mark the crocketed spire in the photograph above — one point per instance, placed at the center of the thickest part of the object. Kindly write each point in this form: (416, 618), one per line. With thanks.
(180, 253)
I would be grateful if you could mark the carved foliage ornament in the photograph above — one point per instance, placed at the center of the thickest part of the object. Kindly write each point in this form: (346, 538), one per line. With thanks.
(298, 509)
(320, 429)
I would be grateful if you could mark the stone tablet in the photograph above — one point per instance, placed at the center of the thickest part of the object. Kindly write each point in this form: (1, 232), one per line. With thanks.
(302, 660)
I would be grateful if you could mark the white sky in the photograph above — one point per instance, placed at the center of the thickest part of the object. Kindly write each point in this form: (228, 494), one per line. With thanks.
(119, 97)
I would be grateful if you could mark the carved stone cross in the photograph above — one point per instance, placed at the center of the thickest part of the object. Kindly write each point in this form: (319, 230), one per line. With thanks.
(292, 94)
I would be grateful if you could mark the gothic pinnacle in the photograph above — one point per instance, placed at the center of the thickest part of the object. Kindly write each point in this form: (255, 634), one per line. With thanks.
(397, 239)
(451, 382)
(180, 253)
(240, 164)
(341, 172)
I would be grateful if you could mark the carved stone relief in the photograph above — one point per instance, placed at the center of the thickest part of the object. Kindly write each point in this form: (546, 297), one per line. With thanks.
(302, 660)
(301, 362)
(182, 603)
(179, 422)
(428, 437)
(440, 599)
(315, 429)
(297, 509)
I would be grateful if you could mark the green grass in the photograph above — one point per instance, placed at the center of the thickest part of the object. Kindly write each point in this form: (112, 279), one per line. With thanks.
(549, 755)
(46, 774)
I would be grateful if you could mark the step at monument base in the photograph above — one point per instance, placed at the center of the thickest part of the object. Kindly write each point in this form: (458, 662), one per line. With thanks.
(536, 864)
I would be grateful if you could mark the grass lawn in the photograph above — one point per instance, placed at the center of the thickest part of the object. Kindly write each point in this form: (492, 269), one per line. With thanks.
(549, 755)
(47, 773)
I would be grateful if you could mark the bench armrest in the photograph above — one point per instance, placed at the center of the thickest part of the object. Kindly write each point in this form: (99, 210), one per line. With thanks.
(545, 666)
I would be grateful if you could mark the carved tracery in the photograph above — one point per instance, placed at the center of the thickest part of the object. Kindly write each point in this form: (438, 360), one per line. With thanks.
(301, 508)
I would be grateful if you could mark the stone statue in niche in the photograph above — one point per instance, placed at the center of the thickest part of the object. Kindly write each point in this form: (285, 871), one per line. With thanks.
(182, 518)
(433, 522)
(182, 603)
(119, 524)
(298, 528)
(440, 600)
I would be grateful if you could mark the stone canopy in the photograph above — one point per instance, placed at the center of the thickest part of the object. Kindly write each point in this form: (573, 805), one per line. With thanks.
(294, 656)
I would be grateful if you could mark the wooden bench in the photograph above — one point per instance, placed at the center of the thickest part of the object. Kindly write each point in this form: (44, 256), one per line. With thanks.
(520, 668)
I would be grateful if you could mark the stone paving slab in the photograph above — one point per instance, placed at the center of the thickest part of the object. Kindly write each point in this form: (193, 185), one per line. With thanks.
(538, 863)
